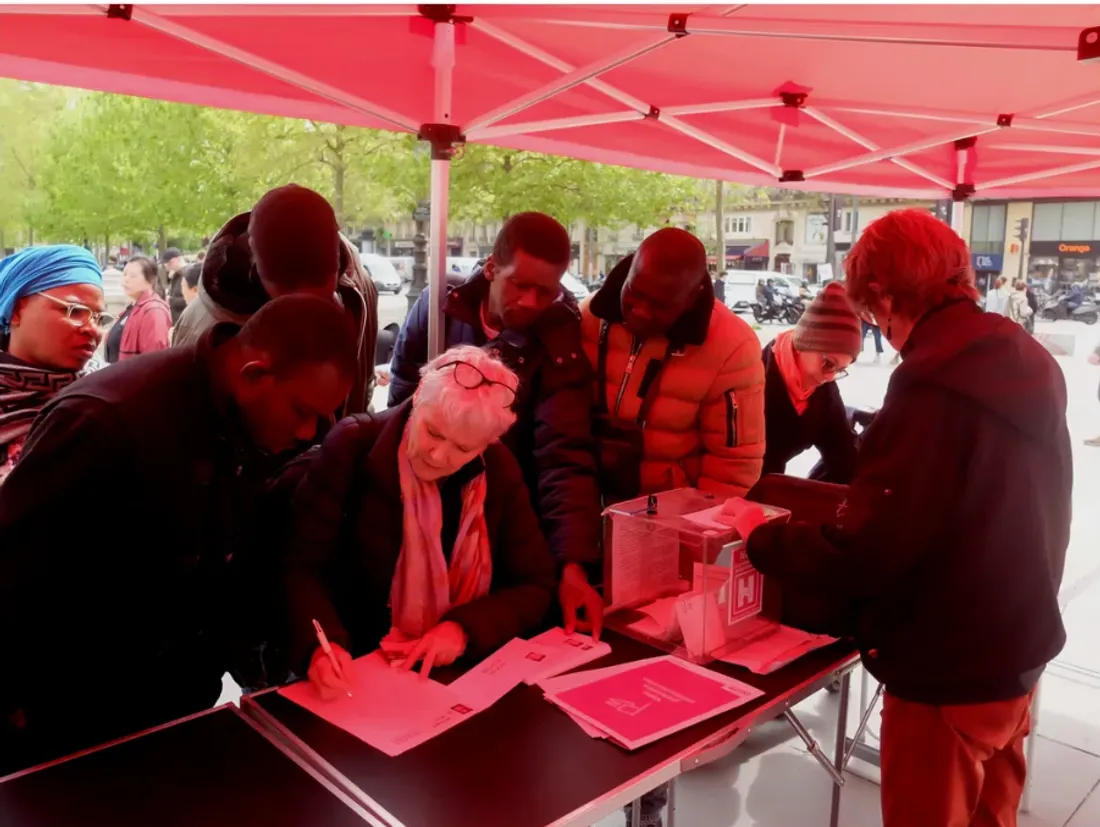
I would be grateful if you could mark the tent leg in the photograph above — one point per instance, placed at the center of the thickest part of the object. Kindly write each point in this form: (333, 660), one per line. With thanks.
(443, 138)
(437, 254)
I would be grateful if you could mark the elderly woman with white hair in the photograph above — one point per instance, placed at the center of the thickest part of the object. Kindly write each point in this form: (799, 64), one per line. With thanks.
(414, 531)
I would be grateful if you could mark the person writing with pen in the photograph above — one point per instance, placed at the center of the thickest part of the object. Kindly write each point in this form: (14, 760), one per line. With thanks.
(414, 531)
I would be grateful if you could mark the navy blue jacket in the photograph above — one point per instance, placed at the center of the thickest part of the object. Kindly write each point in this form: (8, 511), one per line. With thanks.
(552, 437)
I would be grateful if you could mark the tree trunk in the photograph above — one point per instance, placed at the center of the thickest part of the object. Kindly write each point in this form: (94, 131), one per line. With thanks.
(720, 225)
(339, 174)
(162, 239)
(106, 249)
(30, 235)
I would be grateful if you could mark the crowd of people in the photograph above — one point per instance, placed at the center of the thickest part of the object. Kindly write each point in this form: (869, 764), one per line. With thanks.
(260, 493)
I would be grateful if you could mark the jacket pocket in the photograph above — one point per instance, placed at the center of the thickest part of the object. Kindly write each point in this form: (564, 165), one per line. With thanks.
(731, 419)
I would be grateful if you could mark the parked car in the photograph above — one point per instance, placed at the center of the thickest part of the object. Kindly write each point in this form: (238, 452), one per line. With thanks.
(382, 273)
(741, 289)
(575, 286)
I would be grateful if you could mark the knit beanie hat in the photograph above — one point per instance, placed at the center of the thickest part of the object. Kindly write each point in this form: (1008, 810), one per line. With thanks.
(829, 325)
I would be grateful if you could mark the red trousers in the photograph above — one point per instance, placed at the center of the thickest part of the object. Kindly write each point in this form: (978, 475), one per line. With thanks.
(953, 766)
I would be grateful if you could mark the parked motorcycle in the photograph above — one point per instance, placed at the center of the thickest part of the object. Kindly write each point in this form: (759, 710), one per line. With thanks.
(1057, 308)
(785, 310)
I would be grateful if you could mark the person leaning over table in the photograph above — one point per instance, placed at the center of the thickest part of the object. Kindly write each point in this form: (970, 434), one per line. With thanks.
(802, 404)
(105, 632)
(414, 530)
(951, 544)
(679, 386)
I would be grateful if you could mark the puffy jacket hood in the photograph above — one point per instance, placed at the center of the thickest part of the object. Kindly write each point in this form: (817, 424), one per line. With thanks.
(966, 351)
(690, 329)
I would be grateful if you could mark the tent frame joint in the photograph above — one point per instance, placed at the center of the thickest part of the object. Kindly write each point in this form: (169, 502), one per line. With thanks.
(1088, 45)
(120, 11)
(792, 176)
(654, 114)
(963, 144)
(445, 139)
(794, 100)
(678, 25)
(962, 192)
(1005, 120)
(441, 13)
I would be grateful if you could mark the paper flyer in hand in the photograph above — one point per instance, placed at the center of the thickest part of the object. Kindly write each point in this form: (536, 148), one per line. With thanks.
(653, 699)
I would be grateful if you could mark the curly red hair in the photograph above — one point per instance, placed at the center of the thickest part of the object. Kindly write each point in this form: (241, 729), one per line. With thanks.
(914, 259)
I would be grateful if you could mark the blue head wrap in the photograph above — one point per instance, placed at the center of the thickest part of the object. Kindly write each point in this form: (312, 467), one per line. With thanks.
(36, 269)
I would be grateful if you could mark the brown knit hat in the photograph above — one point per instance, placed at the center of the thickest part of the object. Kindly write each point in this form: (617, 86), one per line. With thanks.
(829, 325)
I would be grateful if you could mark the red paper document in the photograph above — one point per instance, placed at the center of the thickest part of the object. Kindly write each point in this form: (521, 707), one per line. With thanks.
(656, 698)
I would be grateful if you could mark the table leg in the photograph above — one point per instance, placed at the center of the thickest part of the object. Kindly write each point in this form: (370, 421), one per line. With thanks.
(841, 732)
(1025, 802)
(863, 721)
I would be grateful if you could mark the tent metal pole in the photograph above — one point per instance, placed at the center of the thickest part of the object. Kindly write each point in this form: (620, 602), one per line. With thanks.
(1038, 176)
(867, 143)
(721, 106)
(443, 61)
(895, 152)
(486, 133)
(394, 120)
(570, 79)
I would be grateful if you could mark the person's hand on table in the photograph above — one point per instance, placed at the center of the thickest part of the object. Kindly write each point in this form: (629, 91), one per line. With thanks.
(746, 517)
(323, 676)
(442, 646)
(576, 594)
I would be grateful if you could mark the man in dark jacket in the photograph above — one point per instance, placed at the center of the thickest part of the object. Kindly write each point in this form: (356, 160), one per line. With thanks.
(951, 544)
(170, 287)
(515, 304)
(108, 632)
(290, 244)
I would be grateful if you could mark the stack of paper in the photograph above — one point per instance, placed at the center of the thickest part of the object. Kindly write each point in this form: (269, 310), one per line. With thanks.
(395, 710)
(772, 646)
(637, 703)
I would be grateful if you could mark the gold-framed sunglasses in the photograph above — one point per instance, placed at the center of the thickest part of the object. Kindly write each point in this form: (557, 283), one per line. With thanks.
(79, 315)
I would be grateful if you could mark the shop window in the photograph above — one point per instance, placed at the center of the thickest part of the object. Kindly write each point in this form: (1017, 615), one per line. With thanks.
(1077, 220)
(739, 224)
(784, 232)
(1046, 222)
(987, 229)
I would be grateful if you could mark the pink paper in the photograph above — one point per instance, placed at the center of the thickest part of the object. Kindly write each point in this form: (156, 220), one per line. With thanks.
(655, 699)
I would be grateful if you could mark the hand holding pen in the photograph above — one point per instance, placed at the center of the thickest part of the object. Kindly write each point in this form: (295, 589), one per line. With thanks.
(330, 669)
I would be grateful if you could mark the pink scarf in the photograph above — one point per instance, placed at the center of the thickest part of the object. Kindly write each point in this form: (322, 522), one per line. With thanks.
(424, 589)
(787, 360)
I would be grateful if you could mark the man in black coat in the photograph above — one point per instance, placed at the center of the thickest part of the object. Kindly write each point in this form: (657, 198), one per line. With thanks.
(515, 304)
(108, 629)
(951, 544)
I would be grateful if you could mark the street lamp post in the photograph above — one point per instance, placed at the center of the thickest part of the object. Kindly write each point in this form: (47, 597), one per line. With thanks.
(420, 253)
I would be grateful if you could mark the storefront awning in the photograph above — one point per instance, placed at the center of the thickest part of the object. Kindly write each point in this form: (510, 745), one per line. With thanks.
(759, 251)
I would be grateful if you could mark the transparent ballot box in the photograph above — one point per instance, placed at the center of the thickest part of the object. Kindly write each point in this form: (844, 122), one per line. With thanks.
(676, 574)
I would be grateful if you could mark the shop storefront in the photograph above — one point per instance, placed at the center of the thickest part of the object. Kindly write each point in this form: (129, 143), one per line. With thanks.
(987, 267)
(1064, 262)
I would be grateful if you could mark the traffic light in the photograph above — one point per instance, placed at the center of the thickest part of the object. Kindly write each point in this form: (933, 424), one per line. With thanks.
(1022, 227)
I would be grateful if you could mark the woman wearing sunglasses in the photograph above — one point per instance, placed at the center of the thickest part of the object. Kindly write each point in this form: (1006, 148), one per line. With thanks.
(51, 321)
(802, 405)
(414, 530)
(145, 325)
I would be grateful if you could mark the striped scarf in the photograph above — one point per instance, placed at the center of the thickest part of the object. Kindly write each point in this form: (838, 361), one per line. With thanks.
(24, 391)
(424, 588)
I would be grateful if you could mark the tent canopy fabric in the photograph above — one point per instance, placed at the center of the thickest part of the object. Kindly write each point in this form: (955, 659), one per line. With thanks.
(888, 100)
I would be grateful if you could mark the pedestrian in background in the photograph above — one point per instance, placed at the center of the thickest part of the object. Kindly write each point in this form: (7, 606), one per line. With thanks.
(143, 326)
(996, 299)
(1017, 308)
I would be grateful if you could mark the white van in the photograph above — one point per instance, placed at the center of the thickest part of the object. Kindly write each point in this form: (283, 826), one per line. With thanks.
(741, 289)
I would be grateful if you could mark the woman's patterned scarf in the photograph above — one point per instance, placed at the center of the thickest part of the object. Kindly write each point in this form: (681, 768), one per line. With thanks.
(24, 390)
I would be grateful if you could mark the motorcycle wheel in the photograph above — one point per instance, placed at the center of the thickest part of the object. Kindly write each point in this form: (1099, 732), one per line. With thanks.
(1089, 318)
(791, 315)
(757, 313)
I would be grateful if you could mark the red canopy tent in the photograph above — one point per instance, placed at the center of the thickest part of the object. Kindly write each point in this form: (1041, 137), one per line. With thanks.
(920, 101)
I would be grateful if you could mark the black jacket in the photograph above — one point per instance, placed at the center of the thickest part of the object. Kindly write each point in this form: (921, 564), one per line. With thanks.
(347, 537)
(552, 436)
(823, 425)
(123, 529)
(952, 541)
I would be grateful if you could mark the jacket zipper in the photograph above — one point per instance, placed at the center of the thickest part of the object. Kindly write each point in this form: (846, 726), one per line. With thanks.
(635, 350)
(731, 420)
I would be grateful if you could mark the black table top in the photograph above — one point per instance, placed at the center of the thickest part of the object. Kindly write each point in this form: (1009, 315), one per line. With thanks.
(523, 762)
(210, 771)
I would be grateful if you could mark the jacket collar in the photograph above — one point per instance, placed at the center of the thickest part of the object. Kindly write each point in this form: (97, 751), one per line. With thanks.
(464, 301)
(690, 329)
(929, 326)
